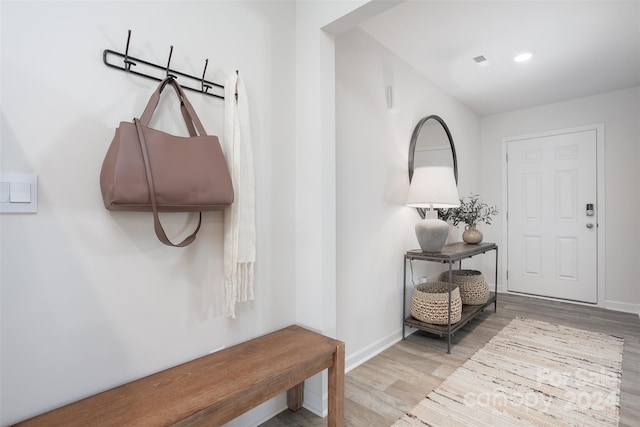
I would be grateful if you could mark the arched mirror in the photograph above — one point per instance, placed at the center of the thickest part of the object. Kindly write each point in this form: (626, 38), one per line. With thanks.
(432, 145)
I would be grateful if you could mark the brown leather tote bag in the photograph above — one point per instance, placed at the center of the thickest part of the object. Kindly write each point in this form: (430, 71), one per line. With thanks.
(149, 170)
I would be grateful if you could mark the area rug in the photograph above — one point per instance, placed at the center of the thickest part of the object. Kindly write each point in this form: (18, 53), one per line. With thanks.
(531, 373)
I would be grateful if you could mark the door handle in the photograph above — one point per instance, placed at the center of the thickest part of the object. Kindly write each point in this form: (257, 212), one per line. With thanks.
(589, 225)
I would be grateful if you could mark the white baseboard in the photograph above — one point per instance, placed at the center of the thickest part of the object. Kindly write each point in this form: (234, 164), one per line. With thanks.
(315, 402)
(623, 306)
(261, 413)
(256, 417)
(373, 349)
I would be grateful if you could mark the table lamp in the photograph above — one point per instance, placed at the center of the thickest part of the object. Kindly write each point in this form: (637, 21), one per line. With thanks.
(432, 187)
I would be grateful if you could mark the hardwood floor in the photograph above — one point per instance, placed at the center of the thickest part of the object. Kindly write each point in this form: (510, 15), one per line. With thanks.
(381, 390)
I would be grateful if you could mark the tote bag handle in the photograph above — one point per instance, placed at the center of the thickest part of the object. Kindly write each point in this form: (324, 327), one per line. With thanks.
(189, 114)
(162, 236)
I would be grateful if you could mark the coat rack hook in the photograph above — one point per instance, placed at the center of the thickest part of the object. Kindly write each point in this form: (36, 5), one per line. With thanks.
(169, 63)
(205, 87)
(128, 63)
(115, 59)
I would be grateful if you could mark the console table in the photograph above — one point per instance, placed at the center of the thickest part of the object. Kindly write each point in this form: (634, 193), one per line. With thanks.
(450, 254)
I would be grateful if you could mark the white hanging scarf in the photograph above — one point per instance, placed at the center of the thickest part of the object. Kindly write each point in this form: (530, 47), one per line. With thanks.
(239, 218)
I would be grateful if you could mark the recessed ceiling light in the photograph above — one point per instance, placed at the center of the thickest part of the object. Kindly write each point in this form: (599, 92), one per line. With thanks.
(523, 57)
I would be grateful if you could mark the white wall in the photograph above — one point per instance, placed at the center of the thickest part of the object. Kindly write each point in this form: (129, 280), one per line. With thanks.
(374, 228)
(315, 228)
(620, 113)
(90, 298)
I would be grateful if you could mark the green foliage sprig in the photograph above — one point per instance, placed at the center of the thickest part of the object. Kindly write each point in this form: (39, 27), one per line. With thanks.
(471, 211)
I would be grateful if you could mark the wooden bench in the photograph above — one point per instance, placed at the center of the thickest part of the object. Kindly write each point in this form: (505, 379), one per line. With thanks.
(217, 388)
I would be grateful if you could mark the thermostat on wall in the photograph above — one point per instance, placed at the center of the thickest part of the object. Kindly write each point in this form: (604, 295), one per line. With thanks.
(18, 193)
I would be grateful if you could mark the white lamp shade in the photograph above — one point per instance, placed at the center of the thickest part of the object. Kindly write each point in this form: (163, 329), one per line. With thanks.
(433, 187)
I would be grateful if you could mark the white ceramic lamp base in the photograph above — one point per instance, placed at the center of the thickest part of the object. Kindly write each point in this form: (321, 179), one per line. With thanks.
(432, 234)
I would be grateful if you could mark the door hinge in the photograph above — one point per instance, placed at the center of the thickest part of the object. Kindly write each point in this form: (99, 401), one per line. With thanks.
(507, 274)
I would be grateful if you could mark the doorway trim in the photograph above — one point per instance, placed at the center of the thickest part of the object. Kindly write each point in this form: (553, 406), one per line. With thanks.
(600, 200)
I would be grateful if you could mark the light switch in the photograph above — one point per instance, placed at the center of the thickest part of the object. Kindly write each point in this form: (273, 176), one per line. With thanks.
(20, 192)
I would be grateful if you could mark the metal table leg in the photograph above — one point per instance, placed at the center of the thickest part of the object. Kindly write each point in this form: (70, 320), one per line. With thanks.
(404, 293)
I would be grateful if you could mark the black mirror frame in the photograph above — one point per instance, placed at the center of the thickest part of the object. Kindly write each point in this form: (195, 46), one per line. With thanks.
(412, 149)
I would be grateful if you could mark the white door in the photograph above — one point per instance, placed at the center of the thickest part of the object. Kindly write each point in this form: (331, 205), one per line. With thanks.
(552, 233)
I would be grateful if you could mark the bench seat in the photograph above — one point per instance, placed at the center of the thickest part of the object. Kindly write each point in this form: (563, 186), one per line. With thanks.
(216, 388)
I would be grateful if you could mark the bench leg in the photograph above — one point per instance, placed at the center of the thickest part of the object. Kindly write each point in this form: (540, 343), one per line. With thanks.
(295, 397)
(336, 388)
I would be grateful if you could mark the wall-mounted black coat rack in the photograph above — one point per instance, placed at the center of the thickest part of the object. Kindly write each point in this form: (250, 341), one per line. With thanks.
(128, 62)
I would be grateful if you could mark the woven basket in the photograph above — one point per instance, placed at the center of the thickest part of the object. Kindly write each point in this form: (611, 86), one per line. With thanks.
(474, 290)
(430, 303)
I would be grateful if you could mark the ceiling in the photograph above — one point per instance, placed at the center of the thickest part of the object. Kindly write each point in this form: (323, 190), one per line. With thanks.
(582, 48)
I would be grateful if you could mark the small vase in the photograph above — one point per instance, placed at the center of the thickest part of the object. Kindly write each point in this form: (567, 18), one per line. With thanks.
(471, 234)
